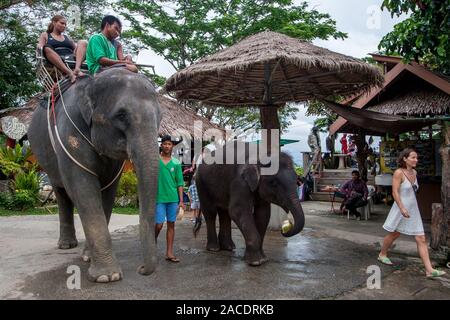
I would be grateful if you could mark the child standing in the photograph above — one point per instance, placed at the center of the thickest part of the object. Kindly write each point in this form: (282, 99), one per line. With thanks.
(194, 200)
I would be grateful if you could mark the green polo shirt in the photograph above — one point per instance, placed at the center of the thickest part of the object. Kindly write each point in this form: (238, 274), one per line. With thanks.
(98, 47)
(169, 179)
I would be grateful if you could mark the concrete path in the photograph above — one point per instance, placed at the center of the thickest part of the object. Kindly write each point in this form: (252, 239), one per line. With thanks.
(328, 260)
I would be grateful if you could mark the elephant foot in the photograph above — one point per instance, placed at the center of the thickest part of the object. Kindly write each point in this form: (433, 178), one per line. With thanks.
(255, 259)
(67, 243)
(213, 247)
(227, 246)
(104, 274)
(145, 271)
(86, 255)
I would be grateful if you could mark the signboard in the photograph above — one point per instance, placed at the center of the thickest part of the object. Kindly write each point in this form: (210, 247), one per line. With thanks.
(390, 150)
(13, 128)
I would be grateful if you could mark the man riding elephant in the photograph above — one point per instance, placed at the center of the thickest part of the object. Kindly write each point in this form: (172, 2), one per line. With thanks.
(102, 49)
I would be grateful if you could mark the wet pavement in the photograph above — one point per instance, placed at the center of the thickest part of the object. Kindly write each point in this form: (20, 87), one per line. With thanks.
(319, 263)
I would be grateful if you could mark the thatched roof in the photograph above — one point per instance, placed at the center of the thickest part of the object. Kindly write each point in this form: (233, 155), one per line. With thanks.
(420, 102)
(174, 116)
(300, 70)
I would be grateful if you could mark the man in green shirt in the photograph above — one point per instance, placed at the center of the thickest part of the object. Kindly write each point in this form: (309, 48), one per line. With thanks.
(170, 194)
(101, 50)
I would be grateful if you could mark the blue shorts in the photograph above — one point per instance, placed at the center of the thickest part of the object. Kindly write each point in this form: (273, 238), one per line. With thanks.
(166, 211)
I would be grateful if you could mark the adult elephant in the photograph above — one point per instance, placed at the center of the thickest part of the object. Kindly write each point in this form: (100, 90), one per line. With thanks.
(109, 118)
(240, 193)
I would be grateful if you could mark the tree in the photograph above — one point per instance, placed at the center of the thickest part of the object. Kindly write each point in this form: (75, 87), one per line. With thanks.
(5, 4)
(183, 31)
(17, 76)
(424, 35)
(20, 26)
(84, 16)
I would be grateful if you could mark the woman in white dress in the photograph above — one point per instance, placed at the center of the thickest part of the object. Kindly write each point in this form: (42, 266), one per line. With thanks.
(404, 217)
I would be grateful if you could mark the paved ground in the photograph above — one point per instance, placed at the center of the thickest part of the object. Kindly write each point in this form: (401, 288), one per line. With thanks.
(328, 260)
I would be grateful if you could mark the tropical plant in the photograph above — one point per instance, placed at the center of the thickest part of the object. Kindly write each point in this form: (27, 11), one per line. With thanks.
(27, 181)
(424, 35)
(14, 160)
(127, 184)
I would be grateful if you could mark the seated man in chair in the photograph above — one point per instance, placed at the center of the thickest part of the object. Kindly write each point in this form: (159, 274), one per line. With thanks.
(56, 46)
(102, 49)
(356, 192)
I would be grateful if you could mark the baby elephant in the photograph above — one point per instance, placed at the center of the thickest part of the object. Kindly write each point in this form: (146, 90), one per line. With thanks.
(239, 192)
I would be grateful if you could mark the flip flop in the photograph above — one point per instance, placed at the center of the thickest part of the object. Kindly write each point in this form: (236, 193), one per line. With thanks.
(385, 260)
(436, 273)
(173, 259)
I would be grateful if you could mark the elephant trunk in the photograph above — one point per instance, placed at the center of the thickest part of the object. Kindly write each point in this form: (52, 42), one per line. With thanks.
(296, 210)
(145, 157)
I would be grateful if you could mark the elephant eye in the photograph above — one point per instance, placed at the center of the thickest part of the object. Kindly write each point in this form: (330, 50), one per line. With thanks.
(121, 116)
(273, 183)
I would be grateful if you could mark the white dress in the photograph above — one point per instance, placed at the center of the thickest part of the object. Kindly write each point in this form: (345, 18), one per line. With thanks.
(397, 222)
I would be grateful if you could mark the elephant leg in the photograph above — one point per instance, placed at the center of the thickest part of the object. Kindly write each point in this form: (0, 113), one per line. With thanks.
(262, 217)
(67, 236)
(108, 197)
(209, 211)
(225, 239)
(88, 200)
(210, 214)
(242, 215)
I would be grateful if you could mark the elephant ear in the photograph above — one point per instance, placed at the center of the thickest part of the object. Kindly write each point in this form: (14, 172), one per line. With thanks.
(84, 96)
(251, 176)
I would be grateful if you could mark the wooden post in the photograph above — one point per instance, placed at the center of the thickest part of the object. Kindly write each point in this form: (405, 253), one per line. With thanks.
(441, 231)
(270, 120)
(437, 220)
(361, 154)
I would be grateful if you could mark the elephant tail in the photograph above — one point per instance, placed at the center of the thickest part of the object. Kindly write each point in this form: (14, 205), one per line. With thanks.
(197, 226)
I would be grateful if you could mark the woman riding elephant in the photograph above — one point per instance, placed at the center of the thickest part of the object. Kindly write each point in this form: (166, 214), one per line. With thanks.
(55, 45)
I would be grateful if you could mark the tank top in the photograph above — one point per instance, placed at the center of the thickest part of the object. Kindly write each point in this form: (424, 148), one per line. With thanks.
(63, 48)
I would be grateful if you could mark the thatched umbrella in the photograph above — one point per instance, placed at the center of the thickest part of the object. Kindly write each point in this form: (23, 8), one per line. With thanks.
(268, 70)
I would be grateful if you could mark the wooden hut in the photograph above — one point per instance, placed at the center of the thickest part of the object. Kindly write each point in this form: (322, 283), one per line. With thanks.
(413, 90)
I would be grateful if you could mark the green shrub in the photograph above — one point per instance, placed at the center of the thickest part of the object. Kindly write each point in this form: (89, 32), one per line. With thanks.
(20, 200)
(6, 200)
(128, 184)
(14, 160)
(25, 192)
(24, 199)
(27, 181)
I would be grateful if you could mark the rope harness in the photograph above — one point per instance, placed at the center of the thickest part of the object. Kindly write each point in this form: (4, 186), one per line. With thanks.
(51, 100)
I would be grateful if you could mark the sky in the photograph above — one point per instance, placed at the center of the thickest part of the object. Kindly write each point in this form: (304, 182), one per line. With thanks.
(365, 25)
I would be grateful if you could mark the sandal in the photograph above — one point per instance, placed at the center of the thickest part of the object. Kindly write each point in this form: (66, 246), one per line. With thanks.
(436, 273)
(173, 259)
(385, 260)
